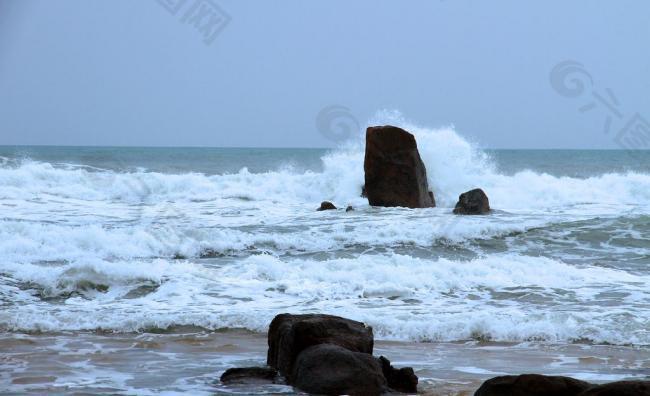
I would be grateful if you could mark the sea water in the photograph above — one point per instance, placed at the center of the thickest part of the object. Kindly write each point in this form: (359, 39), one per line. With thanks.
(132, 241)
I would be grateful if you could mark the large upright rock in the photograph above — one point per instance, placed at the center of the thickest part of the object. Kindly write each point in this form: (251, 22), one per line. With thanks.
(395, 173)
(291, 334)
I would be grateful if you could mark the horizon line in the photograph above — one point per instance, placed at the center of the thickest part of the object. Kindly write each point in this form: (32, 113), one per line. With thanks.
(284, 148)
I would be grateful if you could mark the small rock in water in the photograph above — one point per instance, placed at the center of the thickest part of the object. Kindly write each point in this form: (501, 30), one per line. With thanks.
(532, 385)
(401, 380)
(472, 202)
(349, 208)
(620, 388)
(249, 375)
(326, 205)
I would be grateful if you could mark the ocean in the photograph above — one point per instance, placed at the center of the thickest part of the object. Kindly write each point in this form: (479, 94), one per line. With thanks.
(143, 270)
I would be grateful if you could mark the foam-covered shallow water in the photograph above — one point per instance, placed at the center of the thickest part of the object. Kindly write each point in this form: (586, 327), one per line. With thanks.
(191, 361)
(129, 240)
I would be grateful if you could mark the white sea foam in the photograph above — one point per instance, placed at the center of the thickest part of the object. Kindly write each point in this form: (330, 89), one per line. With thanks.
(189, 235)
(454, 165)
(502, 297)
(67, 212)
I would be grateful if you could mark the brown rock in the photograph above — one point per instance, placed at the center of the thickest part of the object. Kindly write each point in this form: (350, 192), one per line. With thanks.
(532, 385)
(401, 380)
(291, 334)
(249, 375)
(328, 369)
(394, 172)
(620, 388)
(472, 202)
(326, 205)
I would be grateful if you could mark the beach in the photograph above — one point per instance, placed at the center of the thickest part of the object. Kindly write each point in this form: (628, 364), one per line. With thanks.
(192, 361)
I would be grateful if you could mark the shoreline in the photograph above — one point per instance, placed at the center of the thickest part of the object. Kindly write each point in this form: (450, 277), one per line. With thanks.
(147, 363)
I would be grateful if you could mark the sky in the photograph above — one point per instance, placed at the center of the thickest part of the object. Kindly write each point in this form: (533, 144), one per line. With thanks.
(257, 73)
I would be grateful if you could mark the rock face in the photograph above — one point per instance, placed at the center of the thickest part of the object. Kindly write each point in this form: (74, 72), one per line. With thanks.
(472, 202)
(401, 380)
(394, 172)
(333, 370)
(326, 205)
(621, 388)
(532, 385)
(291, 334)
(249, 375)
(326, 355)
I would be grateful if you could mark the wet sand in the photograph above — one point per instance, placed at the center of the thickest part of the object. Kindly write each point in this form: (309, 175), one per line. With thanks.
(191, 361)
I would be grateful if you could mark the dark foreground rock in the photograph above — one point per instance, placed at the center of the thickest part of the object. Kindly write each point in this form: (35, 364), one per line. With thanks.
(291, 334)
(327, 355)
(326, 205)
(401, 380)
(249, 375)
(472, 202)
(532, 385)
(541, 385)
(394, 172)
(333, 370)
(621, 388)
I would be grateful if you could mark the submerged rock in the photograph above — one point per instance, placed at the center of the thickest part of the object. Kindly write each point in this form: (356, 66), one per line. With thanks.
(249, 375)
(326, 205)
(328, 369)
(401, 380)
(472, 202)
(532, 385)
(394, 172)
(620, 388)
(291, 334)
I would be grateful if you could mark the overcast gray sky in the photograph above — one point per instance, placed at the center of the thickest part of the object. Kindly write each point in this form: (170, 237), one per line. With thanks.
(127, 72)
